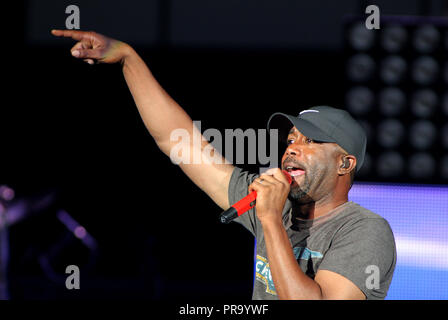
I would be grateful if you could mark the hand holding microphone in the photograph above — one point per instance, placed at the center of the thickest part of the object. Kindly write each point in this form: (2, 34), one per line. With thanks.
(271, 188)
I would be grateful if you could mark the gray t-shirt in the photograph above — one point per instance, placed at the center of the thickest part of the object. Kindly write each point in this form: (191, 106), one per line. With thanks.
(349, 240)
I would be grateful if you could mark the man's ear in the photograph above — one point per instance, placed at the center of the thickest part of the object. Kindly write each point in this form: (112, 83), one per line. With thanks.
(347, 164)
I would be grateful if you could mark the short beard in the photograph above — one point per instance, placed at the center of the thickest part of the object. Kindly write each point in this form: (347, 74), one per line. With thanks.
(299, 195)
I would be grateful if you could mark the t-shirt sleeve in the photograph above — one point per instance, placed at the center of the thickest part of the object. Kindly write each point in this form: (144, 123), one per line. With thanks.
(364, 252)
(238, 189)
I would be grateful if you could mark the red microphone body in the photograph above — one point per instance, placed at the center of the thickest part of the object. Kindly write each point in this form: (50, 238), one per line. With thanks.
(242, 206)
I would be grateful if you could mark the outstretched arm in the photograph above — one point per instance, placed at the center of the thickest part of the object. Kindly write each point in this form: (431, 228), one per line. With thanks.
(160, 113)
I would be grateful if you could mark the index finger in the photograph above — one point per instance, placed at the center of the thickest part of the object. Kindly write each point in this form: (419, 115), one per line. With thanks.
(270, 171)
(74, 34)
(279, 174)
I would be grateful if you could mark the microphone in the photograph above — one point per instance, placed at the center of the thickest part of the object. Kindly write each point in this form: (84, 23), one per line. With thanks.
(248, 202)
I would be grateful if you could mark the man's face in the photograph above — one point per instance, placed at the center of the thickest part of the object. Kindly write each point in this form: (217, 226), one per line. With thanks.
(312, 165)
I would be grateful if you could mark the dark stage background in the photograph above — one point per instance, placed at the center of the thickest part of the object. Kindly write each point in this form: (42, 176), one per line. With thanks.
(71, 132)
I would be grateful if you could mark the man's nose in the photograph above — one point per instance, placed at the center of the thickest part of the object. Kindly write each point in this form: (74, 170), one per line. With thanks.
(293, 150)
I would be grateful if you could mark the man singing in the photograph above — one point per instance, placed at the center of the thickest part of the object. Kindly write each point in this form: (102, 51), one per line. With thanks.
(312, 243)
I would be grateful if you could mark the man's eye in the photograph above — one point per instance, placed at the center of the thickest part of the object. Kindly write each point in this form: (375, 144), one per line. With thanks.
(289, 141)
(308, 140)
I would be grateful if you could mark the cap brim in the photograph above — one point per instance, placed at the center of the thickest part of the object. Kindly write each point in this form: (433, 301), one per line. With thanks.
(284, 122)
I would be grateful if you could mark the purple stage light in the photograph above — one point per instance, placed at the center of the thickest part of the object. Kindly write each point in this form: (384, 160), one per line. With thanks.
(78, 230)
(418, 217)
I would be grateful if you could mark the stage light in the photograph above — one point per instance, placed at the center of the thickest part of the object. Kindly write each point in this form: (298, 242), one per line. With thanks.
(390, 164)
(426, 38)
(360, 37)
(421, 165)
(390, 133)
(360, 67)
(359, 100)
(422, 134)
(391, 101)
(80, 232)
(393, 38)
(6, 193)
(393, 69)
(397, 79)
(424, 70)
(77, 230)
(424, 103)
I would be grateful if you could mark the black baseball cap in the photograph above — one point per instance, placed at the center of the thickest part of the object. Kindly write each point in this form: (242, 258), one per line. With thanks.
(324, 124)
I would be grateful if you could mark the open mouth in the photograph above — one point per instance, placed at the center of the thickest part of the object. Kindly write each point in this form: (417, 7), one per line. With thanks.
(294, 171)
